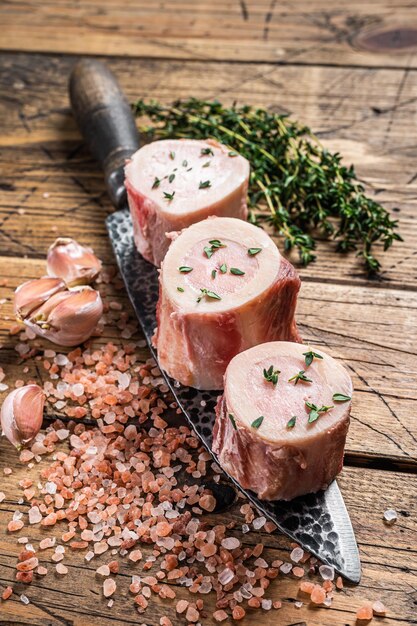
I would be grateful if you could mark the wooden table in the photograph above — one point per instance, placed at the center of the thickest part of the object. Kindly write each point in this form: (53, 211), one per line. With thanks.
(351, 73)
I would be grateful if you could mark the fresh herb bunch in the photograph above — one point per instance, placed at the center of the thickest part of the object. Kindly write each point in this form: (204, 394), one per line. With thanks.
(296, 185)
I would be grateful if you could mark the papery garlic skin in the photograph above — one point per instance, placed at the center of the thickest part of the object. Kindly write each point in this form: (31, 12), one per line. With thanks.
(32, 294)
(22, 414)
(72, 262)
(68, 318)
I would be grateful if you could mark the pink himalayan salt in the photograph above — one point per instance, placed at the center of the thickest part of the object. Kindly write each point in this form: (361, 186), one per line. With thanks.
(182, 605)
(42, 571)
(61, 569)
(220, 616)
(6, 593)
(135, 556)
(103, 570)
(15, 525)
(230, 543)
(318, 595)
(365, 613)
(35, 516)
(109, 587)
(207, 502)
(48, 542)
(28, 564)
(378, 608)
(192, 615)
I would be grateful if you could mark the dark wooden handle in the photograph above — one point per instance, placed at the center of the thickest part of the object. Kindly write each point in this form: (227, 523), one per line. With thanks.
(105, 120)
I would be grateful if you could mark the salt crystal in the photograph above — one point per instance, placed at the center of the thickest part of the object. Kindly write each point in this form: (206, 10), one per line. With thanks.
(35, 516)
(266, 604)
(78, 390)
(50, 488)
(103, 570)
(109, 587)
(2, 496)
(62, 433)
(61, 569)
(258, 522)
(226, 576)
(61, 360)
(230, 543)
(390, 516)
(3, 386)
(89, 556)
(326, 572)
(17, 515)
(24, 599)
(49, 354)
(245, 528)
(296, 555)
(261, 563)
(110, 603)
(298, 605)
(285, 568)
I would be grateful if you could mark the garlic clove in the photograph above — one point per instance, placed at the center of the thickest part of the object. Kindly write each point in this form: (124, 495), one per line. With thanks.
(72, 262)
(34, 293)
(22, 414)
(68, 318)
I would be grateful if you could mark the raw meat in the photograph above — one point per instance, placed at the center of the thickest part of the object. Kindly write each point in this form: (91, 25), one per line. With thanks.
(172, 184)
(274, 457)
(224, 287)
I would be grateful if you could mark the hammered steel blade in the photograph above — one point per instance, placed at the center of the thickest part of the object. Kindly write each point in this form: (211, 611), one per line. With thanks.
(318, 522)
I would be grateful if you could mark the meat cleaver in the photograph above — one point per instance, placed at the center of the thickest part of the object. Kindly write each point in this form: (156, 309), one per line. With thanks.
(319, 522)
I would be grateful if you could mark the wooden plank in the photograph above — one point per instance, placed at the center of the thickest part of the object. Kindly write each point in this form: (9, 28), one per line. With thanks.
(47, 174)
(371, 33)
(348, 322)
(388, 559)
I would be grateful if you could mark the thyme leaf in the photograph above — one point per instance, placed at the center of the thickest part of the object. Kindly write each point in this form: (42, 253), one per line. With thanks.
(271, 375)
(340, 397)
(300, 376)
(310, 356)
(256, 423)
(291, 422)
(236, 271)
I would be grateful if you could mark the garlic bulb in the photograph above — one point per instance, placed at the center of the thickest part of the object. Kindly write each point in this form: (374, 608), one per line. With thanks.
(64, 316)
(75, 264)
(22, 414)
(34, 293)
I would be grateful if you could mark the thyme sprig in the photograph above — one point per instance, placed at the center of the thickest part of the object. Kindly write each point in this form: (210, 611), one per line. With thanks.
(296, 185)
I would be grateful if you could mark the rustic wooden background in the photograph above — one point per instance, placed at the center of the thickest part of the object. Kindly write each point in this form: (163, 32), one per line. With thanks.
(347, 69)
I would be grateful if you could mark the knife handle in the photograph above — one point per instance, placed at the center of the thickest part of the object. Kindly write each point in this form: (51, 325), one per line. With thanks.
(106, 122)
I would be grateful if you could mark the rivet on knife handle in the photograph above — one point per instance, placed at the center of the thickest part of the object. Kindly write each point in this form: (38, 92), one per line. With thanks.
(105, 120)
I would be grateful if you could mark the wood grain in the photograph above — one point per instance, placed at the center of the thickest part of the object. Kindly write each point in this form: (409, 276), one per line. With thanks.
(383, 368)
(371, 33)
(47, 173)
(388, 558)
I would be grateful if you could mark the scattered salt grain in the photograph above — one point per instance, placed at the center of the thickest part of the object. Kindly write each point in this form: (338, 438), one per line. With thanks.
(109, 587)
(78, 390)
(326, 572)
(230, 543)
(298, 605)
(61, 569)
(390, 516)
(24, 599)
(296, 555)
(285, 568)
(35, 515)
(378, 608)
(258, 522)
(103, 570)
